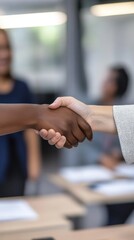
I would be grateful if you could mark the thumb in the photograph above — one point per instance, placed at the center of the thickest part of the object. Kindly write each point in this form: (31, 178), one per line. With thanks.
(36, 131)
(61, 102)
(73, 104)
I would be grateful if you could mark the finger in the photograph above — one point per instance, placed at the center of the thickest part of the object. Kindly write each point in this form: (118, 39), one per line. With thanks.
(61, 142)
(55, 139)
(51, 134)
(67, 144)
(37, 132)
(78, 133)
(61, 101)
(85, 127)
(72, 139)
(43, 133)
(72, 103)
(46, 135)
(56, 104)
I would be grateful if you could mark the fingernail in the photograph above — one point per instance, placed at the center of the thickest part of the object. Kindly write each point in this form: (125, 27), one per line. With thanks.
(53, 104)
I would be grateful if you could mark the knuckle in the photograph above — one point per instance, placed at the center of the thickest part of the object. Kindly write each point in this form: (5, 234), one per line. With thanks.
(59, 145)
(57, 137)
(71, 98)
(82, 139)
(44, 137)
(50, 142)
(53, 141)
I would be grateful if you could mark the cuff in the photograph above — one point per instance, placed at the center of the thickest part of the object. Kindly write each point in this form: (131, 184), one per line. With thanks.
(124, 120)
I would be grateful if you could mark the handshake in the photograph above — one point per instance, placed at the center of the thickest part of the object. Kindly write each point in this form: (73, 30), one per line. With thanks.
(69, 121)
(65, 122)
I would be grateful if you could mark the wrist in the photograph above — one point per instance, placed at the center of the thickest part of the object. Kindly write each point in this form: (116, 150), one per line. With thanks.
(32, 116)
(40, 116)
(101, 119)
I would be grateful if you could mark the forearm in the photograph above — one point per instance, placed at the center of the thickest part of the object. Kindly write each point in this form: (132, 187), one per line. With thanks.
(17, 117)
(33, 154)
(101, 118)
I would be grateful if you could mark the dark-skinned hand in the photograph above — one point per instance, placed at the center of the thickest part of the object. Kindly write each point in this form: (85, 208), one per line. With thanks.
(66, 122)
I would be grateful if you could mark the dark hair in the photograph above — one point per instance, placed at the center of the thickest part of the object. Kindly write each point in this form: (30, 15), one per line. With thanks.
(122, 80)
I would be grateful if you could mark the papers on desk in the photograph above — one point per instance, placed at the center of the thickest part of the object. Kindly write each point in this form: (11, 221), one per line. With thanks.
(16, 210)
(125, 170)
(116, 188)
(86, 174)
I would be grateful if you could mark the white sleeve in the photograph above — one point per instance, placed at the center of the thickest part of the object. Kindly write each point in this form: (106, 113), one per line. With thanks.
(124, 120)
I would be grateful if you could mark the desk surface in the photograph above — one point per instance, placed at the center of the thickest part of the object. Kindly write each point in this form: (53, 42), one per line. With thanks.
(86, 195)
(110, 233)
(52, 211)
(59, 204)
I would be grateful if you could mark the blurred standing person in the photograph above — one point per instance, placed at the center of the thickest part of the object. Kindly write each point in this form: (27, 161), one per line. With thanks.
(20, 156)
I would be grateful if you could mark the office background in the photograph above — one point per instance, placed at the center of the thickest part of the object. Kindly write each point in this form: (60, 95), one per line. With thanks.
(66, 52)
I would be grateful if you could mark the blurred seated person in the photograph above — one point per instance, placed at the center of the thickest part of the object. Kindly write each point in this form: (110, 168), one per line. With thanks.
(105, 149)
(114, 88)
(19, 152)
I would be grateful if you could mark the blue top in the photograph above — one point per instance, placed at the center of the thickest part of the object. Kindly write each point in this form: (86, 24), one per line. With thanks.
(12, 146)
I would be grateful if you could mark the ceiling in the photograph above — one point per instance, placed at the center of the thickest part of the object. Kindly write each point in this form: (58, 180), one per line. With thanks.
(23, 6)
(88, 3)
(5, 2)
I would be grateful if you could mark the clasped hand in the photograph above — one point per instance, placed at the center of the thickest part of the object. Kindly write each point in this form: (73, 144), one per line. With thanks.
(63, 126)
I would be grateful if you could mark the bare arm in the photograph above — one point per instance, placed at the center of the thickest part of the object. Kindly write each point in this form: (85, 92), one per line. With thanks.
(33, 154)
(101, 119)
(17, 117)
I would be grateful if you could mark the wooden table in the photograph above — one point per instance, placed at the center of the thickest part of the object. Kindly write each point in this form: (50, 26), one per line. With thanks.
(59, 204)
(86, 195)
(125, 232)
(52, 211)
